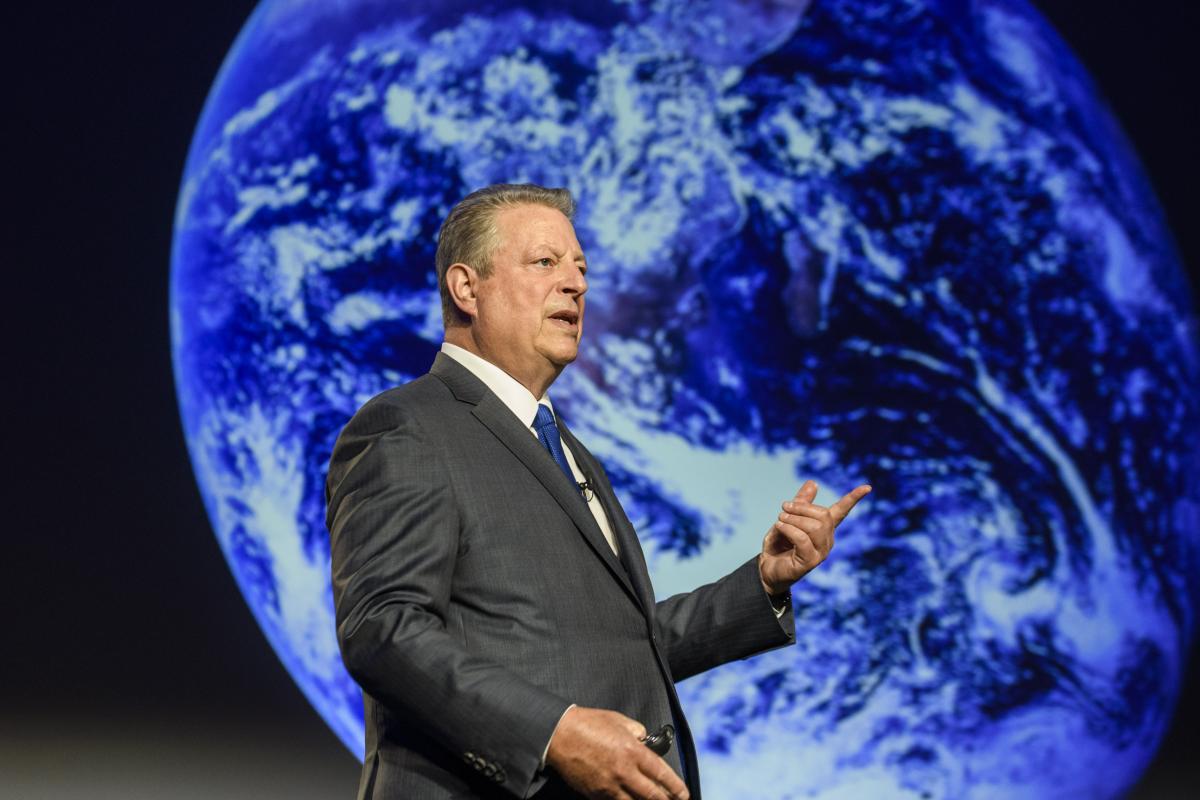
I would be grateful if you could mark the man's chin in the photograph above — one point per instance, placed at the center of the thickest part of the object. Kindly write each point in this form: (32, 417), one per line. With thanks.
(561, 355)
(565, 359)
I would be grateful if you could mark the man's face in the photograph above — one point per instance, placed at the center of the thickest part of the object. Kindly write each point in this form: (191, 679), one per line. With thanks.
(530, 309)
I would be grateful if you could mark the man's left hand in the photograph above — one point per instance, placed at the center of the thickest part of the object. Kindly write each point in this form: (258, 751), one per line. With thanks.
(802, 537)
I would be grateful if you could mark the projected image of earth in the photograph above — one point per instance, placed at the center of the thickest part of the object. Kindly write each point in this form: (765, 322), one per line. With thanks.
(895, 242)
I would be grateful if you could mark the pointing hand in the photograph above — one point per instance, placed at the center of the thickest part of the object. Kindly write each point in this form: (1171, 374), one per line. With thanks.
(802, 537)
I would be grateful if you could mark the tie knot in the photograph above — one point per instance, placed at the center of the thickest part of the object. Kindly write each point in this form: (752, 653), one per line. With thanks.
(544, 418)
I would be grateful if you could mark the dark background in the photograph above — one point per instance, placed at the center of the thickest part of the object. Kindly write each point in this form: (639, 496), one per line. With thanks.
(131, 666)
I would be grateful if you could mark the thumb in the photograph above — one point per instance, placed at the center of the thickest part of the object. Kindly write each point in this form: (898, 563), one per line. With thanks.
(633, 726)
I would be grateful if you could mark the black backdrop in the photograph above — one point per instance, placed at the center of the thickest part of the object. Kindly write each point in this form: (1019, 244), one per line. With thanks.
(131, 667)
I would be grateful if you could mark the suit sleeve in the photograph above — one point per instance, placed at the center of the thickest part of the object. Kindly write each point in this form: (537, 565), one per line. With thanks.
(721, 622)
(394, 533)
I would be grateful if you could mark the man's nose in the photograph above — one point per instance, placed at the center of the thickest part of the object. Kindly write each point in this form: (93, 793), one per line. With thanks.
(575, 282)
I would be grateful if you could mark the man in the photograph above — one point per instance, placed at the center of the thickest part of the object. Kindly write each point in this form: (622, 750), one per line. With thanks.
(492, 599)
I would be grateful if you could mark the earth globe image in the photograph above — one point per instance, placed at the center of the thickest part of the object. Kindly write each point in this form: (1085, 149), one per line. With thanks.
(896, 242)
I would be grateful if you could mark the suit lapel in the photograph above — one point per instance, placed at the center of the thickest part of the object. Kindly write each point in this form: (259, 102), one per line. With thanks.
(505, 426)
(627, 540)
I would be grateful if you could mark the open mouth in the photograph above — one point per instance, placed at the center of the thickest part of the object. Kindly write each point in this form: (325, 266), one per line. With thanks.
(566, 318)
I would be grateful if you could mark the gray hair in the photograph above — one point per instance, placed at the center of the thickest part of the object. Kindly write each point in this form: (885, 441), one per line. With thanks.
(469, 235)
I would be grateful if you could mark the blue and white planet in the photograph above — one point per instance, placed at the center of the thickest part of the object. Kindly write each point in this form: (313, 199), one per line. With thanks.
(899, 242)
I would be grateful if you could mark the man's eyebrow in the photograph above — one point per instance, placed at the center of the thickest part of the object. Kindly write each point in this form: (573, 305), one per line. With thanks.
(536, 249)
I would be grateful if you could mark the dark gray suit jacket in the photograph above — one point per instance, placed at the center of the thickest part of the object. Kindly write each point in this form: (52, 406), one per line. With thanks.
(477, 598)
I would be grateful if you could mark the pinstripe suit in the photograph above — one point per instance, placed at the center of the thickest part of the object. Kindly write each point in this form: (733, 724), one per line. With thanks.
(477, 599)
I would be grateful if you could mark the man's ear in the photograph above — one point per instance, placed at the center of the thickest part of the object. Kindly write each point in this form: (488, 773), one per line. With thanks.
(463, 281)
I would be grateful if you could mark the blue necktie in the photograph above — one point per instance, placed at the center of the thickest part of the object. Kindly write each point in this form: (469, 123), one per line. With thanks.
(547, 433)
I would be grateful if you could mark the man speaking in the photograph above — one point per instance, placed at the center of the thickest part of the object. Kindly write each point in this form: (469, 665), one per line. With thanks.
(492, 597)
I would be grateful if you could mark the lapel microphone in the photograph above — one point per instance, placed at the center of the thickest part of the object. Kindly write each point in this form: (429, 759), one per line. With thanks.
(584, 486)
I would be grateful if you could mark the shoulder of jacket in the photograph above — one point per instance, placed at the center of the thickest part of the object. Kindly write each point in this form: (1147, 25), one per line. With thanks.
(416, 392)
(422, 400)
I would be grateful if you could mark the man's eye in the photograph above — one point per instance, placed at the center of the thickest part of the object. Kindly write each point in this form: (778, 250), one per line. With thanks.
(546, 262)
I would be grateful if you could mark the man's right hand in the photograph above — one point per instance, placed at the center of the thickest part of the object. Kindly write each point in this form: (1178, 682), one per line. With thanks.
(600, 754)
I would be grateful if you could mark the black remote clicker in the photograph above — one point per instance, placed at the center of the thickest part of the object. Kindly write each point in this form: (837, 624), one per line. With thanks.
(660, 741)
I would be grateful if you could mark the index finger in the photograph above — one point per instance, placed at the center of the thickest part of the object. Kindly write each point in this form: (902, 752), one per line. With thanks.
(842, 507)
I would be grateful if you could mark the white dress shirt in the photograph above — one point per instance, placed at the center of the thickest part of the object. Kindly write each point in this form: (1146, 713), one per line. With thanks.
(524, 405)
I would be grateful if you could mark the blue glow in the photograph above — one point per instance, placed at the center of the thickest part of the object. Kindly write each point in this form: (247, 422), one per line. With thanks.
(899, 241)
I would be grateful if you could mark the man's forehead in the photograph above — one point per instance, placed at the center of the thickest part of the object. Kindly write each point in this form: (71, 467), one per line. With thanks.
(528, 226)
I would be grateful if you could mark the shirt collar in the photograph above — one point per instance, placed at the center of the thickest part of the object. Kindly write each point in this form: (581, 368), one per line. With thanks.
(516, 397)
